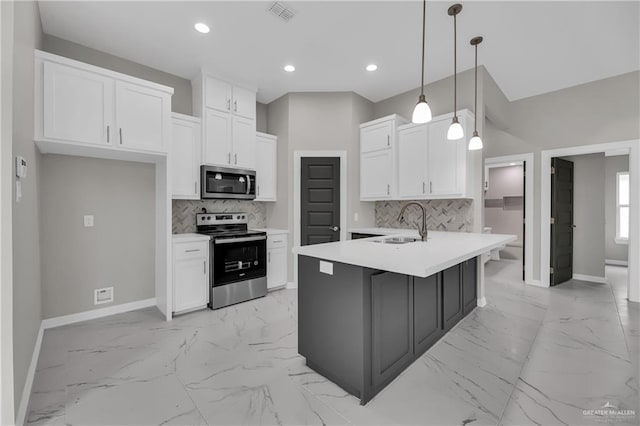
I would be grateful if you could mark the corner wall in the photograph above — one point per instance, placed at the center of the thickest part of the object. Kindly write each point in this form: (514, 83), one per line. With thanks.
(613, 165)
(27, 307)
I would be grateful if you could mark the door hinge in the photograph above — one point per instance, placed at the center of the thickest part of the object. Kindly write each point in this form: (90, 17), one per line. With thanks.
(552, 221)
(553, 170)
(551, 270)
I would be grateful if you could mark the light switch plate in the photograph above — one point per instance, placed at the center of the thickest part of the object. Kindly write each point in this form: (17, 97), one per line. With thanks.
(88, 221)
(326, 267)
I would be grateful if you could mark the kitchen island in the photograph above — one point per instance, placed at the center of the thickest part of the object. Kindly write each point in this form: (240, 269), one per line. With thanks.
(368, 308)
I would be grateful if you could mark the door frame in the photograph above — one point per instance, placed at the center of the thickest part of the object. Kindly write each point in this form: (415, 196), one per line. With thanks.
(297, 156)
(527, 158)
(632, 147)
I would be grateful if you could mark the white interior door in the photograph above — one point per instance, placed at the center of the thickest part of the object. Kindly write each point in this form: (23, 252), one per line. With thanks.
(140, 115)
(412, 162)
(217, 143)
(244, 143)
(78, 105)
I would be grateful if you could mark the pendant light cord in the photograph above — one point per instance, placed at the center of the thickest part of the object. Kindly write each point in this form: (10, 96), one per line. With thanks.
(475, 100)
(424, 18)
(455, 67)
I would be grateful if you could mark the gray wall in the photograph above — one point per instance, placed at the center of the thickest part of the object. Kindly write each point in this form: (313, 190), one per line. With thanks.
(181, 100)
(588, 214)
(261, 117)
(613, 165)
(118, 251)
(26, 227)
(505, 182)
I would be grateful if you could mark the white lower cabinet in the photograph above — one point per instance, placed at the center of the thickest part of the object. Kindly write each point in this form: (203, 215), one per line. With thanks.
(190, 274)
(276, 260)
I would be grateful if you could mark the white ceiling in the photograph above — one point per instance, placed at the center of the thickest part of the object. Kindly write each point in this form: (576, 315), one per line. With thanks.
(530, 47)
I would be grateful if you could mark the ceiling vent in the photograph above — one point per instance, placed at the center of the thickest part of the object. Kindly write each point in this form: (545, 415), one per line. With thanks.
(281, 11)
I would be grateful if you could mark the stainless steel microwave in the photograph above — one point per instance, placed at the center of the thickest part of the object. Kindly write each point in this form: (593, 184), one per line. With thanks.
(226, 183)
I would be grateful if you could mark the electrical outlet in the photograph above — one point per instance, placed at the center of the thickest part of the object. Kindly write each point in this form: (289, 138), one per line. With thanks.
(88, 221)
(102, 295)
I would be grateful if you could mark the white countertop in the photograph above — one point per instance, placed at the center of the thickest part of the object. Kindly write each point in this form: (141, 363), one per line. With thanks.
(190, 237)
(421, 259)
(272, 231)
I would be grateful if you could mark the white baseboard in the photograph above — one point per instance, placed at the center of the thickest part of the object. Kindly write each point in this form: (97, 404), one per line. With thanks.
(590, 278)
(535, 283)
(28, 383)
(482, 302)
(616, 262)
(292, 285)
(98, 313)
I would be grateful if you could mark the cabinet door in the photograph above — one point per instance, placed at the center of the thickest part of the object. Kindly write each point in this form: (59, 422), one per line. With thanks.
(469, 285)
(376, 175)
(190, 284)
(217, 94)
(412, 162)
(142, 116)
(451, 297)
(244, 103)
(186, 159)
(276, 267)
(217, 142)
(443, 161)
(244, 143)
(376, 137)
(392, 325)
(427, 318)
(77, 105)
(266, 170)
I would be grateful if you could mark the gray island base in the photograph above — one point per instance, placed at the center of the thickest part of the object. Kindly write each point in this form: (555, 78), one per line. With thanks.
(361, 327)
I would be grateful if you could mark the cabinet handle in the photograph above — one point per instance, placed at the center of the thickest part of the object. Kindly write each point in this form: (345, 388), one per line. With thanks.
(431, 187)
(120, 135)
(269, 260)
(388, 189)
(229, 158)
(228, 104)
(277, 241)
(423, 187)
(388, 140)
(204, 266)
(235, 158)
(191, 251)
(108, 134)
(235, 106)
(257, 189)
(195, 188)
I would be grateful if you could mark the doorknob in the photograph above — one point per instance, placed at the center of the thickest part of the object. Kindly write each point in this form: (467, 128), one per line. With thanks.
(334, 228)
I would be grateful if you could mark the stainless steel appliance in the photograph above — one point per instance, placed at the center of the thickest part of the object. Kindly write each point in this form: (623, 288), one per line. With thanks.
(224, 182)
(238, 258)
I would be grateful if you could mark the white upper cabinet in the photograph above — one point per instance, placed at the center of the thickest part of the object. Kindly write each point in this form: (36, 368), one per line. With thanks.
(378, 158)
(445, 160)
(77, 105)
(229, 122)
(413, 179)
(84, 110)
(266, 167)
(185, 154)
(142, 116)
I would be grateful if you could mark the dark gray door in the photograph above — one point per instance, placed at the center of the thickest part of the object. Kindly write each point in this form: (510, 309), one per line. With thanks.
(562, 221)
(391, 325)
(469, 285)
(451, 297)
(427, 327)
(319, 200)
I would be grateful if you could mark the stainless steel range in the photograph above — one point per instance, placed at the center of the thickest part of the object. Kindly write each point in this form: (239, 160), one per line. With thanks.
(238, 258)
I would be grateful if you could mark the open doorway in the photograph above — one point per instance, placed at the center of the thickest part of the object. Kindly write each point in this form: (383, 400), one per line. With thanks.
(504, 208)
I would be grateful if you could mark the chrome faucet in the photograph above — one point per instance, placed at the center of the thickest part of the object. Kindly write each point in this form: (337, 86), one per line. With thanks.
(422, 231)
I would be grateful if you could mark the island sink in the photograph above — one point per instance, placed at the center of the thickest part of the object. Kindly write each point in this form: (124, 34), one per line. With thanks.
(396, 240)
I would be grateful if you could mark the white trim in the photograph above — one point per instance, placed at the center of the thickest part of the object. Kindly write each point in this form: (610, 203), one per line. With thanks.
(527, 158)
(291, 285)
(536, 283)
(482, 302)
(621, 241)
(616, 262)
(590, 278)
(297, 155)
(98, 313)
(618, 238)
(31, 373)
(633, 277)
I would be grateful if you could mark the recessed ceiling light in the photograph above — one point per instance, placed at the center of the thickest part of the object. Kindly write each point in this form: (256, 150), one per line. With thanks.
(372, 67)
(202, 28)
(289, 68)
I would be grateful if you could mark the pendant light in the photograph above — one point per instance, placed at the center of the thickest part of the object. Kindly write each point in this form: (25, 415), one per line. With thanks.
(455, 131)
(422, 112)
(475, 142)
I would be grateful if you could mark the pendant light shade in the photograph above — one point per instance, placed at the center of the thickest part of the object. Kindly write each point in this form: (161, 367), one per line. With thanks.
(422, 111)
(455, 129)
(475, 142)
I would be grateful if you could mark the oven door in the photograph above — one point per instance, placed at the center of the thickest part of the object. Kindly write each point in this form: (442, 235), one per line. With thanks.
(225, 183)
(239, 259)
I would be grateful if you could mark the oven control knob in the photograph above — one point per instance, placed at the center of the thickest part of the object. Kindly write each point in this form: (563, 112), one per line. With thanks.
(255, 262)
(208, 217)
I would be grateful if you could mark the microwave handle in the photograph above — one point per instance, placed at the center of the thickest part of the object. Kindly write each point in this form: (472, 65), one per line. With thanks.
(248, 184)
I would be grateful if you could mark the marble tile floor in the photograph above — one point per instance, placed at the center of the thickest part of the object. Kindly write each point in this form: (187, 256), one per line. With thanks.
(531, 356)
